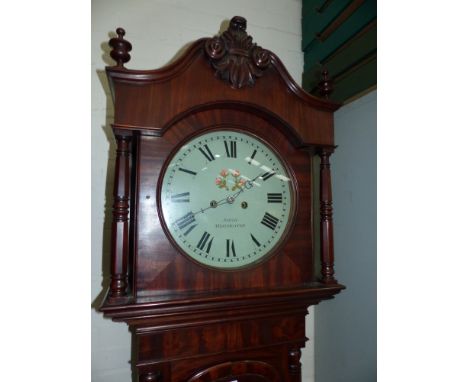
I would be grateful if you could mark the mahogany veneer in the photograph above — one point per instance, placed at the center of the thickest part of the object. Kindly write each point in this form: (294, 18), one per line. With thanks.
(189, 322)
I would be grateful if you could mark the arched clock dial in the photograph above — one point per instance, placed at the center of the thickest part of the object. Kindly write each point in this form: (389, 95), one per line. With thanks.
(226, 199)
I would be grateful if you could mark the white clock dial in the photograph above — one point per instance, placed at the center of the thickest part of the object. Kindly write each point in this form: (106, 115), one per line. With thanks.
(226, 199)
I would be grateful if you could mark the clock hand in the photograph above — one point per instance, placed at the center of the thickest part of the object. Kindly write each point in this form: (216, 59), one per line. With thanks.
(213, 204)
(230, 199)
(250, 183)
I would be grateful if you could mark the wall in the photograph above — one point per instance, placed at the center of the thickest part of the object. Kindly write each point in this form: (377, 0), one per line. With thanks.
(158, 29)
(345, 328)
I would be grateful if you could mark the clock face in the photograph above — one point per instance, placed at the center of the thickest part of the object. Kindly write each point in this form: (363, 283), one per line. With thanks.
(226, 199)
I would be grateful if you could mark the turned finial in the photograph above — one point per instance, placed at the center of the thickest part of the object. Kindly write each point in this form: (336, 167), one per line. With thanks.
(121, 47)
(325, 85)
(238, 23)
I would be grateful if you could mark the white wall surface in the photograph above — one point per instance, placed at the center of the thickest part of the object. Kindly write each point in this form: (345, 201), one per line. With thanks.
(158, 29)
(346, 327)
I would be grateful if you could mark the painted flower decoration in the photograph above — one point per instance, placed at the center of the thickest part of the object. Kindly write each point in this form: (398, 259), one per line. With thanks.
(224, 178)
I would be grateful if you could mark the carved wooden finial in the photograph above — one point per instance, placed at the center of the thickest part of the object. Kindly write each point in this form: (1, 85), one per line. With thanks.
(121, 47)
(238, 23)
(235, 57)
(325, 85)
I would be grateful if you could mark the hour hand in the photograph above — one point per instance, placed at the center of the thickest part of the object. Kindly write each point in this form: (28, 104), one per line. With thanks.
(213, 204)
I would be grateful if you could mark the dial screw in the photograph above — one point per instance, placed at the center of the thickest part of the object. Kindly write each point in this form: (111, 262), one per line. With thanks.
(213, 204)
(244, 205)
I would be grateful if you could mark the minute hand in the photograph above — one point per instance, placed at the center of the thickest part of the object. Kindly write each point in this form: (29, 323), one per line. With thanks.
(249, 183)
(230, 199)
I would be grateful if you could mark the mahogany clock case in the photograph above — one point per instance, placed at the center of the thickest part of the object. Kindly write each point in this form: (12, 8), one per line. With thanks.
(164, 271)
(193, 322)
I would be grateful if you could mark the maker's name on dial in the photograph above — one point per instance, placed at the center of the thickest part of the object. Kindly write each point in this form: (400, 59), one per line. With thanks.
(230, 223)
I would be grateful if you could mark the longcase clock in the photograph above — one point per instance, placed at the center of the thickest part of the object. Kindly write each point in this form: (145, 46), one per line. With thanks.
(212, 249)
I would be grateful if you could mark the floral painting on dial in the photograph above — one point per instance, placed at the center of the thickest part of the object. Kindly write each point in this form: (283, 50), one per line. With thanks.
(230, 180)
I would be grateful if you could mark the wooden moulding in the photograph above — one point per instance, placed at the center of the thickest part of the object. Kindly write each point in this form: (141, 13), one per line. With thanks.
(151, 102)
(195, 323)
(167, 307)
(255, 78)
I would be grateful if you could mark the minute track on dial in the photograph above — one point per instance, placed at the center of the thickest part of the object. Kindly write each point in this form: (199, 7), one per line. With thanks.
(226, 227)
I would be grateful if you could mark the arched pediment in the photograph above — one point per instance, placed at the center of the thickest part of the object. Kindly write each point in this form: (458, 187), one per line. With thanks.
(228, 69)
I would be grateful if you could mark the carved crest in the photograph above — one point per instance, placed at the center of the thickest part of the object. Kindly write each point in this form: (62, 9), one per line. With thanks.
(235, 57)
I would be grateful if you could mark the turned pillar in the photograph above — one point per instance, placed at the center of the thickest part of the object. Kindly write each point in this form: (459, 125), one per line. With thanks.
(120, 217)
(326, 218)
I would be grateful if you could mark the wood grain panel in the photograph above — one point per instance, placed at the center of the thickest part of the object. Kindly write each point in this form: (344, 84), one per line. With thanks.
(154, 106)
(191, 322)
(161, 267)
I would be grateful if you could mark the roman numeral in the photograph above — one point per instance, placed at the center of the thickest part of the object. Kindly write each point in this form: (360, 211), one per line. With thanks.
(204, 239)
(269, 221)
(275, 197)
(208, 154)
(268, 175)
(190, 229)
(252, 157)
(187, 171)
(181, 198)
(230, 249)
(185, 220)
(231, 149)
(255, 240)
